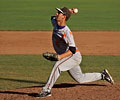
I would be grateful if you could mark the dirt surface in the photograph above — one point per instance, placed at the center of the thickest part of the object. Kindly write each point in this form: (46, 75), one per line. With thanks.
(37, 42)
(67, 91)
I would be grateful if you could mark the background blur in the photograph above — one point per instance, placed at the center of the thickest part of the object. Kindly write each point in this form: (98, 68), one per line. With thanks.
(35, 14)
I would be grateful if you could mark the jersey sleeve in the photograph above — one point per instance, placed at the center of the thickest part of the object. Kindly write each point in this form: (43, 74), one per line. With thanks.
(70, 39)
(53, 21)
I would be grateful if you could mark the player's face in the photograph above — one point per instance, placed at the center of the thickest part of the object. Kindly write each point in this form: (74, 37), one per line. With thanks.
(59, 16)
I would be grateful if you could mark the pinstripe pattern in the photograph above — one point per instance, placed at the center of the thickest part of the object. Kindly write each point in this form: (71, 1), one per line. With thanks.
(56, 69)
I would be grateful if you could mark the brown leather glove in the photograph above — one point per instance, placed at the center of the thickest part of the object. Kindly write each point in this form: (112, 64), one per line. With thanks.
(50, 56)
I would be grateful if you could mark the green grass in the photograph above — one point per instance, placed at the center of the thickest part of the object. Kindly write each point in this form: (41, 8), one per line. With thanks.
(35, 14)
(18, 71)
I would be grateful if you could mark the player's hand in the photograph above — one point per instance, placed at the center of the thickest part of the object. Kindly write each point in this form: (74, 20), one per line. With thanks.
(73, 10)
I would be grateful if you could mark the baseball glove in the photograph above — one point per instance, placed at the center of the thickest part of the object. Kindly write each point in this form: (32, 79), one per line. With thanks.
(50, 56)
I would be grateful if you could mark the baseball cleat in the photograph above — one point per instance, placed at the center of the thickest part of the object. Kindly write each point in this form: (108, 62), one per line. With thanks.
(43, 94)
(106, 76)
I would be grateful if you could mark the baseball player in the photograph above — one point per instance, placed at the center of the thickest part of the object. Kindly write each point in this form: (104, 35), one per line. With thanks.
(67, 56)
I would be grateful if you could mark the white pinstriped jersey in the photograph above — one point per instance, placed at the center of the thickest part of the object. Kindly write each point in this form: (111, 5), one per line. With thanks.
(62, 37)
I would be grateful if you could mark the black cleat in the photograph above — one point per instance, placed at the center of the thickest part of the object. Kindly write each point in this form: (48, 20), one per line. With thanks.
(106, 76)
(43, 94)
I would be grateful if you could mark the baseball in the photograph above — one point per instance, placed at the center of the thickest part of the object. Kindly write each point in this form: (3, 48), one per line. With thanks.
(75, 10)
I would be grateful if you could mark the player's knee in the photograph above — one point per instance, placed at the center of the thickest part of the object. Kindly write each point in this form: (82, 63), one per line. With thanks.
(79, 79)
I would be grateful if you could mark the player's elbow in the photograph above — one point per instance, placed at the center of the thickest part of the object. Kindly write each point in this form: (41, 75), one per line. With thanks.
(72, 49)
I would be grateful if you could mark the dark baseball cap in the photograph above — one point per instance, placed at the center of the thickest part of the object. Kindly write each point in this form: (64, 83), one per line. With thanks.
(65, 11)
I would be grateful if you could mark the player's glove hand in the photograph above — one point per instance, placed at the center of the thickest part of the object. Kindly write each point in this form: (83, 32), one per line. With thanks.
(50, 56)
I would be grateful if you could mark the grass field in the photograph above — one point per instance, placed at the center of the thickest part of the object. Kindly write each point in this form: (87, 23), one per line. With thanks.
(35, 14)
(18, 71)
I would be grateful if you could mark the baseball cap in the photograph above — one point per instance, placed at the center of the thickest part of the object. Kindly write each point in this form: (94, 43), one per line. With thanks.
(65, 11)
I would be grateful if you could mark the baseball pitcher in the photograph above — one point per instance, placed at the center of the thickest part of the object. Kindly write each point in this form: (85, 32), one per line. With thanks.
(67, 56)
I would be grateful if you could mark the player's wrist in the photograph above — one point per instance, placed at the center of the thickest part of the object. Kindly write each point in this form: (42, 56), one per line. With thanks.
(71, 10)
(59, 57)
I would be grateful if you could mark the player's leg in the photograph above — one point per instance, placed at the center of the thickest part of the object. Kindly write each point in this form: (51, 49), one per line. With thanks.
(52, 78)
(46, 91)
(62, 65)
(77, 75)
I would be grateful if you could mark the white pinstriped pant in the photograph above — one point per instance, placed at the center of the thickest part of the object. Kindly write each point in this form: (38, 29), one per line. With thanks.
(70, 64)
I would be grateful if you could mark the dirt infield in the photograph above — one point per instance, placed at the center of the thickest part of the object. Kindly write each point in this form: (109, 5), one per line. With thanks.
(89, 43)
(37, 42)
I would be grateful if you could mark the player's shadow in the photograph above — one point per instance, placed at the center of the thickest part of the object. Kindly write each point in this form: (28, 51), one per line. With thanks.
(62, 85)
(68, 85)
(19, 93)
(22, 81)
(41, 84)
